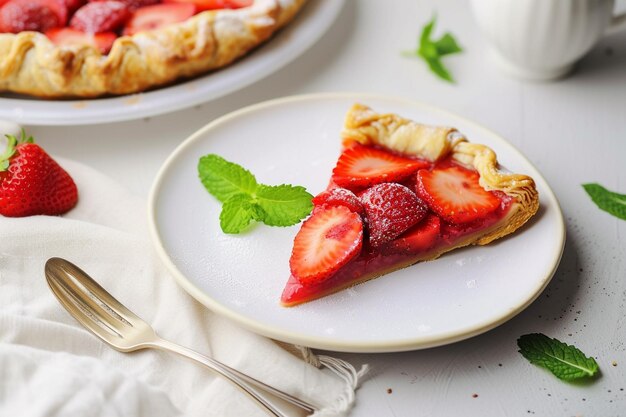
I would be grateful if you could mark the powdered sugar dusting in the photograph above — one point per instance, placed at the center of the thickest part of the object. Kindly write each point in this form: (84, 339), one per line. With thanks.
(391, 209)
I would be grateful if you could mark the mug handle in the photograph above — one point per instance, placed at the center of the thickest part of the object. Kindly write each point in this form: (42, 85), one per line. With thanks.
(618, 23)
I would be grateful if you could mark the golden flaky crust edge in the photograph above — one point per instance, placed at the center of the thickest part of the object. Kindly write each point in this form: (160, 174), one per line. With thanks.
(32, 64)
(364, 125)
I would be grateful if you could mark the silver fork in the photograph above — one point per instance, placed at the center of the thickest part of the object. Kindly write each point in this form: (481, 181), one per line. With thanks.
(124, 331)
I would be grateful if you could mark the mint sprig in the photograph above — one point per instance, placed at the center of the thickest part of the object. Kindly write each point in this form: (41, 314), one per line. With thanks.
(565, 361)
(245, 200)
(609, 201)
(432, 51)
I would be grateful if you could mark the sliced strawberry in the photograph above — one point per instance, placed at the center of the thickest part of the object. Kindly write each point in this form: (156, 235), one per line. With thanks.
(152, 17)
(134, 4)
(327, 241)
(202, 5)
(240, 3)
(419, 238)
(363, 166)
(38, 15)
(72, 5)
(340, 197)
(99, 17)
(391, 209)
(455, 194)
(68, 36)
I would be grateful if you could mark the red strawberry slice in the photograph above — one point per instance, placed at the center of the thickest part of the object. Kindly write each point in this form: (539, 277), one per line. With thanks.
(202, 5)
(339, 197)
(38, 15)
(391, 209)
(72, 5)
(152, 17)
(240, 3)
(363, 166)
(31, 182)
(419, 238)
(327, 241)
(455, 194)
(134, 4)
(99, 17)
(67, 36)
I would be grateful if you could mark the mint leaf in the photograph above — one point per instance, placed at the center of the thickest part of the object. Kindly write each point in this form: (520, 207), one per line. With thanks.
(447, 45)
(283, 205)
(426, 32)
(564, 361)
(244, 200)
(237, 213)
(431, 50)
(437, 67)
(606, 200)
(224, 179)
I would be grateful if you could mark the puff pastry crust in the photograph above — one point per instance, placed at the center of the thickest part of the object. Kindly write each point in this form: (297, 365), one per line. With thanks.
(364, 125)
(32, 64)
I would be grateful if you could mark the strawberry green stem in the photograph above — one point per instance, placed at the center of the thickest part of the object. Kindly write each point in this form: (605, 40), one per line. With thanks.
(10, 149)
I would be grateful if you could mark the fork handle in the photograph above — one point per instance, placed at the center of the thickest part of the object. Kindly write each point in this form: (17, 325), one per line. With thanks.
(242, 381)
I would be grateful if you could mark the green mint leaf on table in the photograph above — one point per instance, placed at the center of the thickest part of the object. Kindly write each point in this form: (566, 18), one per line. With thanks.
(225, 179)
(437, 67)
(447, 45)
(283, 205)
(244, 200)
(606, 200)
(432, 50)
(564, 361)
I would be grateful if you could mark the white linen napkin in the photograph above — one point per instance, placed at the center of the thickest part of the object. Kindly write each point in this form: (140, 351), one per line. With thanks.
(51, 366)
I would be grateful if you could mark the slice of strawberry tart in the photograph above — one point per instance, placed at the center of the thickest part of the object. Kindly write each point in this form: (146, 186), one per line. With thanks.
(401, 193)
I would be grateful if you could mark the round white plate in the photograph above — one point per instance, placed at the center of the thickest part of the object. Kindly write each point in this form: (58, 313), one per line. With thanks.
(296, 140)
(309, 26)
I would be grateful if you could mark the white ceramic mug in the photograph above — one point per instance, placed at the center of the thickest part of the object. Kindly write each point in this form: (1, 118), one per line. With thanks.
(543, 39)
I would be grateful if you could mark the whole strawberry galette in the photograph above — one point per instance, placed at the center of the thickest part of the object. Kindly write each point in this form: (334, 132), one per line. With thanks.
(401, 193)
(89, 48)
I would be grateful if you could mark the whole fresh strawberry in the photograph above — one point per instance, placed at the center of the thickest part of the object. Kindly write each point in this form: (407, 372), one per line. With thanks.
(31, 182)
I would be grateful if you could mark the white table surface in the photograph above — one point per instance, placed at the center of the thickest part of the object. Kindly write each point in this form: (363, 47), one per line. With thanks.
(573, 130)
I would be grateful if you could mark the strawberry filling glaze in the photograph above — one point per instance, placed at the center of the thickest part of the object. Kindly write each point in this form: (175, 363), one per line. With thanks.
(439, 187)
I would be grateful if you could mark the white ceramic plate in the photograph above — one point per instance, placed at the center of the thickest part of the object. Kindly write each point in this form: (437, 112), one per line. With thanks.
(296, 140)
(309, 26)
